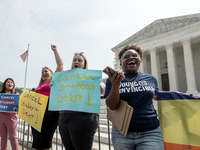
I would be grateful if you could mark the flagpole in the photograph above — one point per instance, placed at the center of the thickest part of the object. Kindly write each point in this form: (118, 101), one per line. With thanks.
(24, 89)
(26, 68)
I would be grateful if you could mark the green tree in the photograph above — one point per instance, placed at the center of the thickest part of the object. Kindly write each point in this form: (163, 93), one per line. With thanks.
(19, 90)
(1, 84)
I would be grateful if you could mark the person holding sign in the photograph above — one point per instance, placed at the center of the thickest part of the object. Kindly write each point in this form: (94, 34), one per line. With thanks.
(77, 129)
(138, 90)
(8, 120)
(43, 140)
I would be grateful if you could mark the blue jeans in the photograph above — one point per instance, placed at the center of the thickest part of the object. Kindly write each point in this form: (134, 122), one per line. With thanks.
(148, 140)
(77, 130)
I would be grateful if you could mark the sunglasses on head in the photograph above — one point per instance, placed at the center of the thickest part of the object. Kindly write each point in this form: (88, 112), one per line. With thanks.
(81, 53)
(134, 55)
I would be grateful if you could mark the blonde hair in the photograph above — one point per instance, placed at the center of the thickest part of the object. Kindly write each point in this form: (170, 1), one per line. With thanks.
(41, 80)
(85, 59)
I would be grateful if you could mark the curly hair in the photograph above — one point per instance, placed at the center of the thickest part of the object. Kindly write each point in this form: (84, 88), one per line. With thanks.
(128, 47)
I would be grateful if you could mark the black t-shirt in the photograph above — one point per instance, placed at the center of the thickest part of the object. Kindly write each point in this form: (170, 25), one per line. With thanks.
(140, 98)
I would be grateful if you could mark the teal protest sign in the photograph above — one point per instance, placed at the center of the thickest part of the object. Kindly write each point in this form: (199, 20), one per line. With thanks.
(76, 90)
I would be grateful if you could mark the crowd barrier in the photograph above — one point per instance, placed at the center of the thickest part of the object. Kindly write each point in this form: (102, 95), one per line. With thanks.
(25, 137)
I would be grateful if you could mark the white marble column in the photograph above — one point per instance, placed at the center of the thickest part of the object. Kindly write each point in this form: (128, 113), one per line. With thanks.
(154, 67)
(117, 61)
(171, 67)
(143, 64)
(189, 67)
(141, 67)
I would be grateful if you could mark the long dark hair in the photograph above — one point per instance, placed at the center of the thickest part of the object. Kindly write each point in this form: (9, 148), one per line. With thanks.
(3, 89)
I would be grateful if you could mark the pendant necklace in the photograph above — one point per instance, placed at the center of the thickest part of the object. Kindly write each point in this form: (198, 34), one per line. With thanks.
(134, 79)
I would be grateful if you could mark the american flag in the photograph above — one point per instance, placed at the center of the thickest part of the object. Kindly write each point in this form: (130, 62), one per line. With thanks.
(24, 55)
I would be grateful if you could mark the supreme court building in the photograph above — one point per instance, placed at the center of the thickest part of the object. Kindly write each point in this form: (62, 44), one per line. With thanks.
(171, 49)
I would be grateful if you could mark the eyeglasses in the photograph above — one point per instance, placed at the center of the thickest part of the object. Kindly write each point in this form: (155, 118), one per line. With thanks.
(134, 55)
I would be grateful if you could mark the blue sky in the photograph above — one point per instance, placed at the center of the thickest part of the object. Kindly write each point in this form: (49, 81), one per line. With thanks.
(89, 26)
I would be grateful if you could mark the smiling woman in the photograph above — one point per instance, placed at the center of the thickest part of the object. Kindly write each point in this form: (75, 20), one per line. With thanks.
(43, 139)
(138, 90)
(8, 121)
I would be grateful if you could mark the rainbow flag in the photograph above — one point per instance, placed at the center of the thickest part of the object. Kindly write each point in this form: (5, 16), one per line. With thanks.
(179, 116)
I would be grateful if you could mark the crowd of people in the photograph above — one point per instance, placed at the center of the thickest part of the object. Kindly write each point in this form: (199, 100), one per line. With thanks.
(77, 128)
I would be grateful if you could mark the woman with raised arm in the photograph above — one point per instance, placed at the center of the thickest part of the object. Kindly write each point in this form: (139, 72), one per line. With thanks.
(43, 140)
(8, 120)
(138, 90)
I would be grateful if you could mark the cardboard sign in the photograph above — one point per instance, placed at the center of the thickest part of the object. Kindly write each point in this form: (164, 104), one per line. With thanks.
(32, 107)
(9, 102)
(76, 90)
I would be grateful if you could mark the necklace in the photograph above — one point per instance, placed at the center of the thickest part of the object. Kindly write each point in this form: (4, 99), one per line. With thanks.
(134, 79)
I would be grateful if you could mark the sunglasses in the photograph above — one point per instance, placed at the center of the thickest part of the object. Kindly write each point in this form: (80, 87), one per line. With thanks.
(134, 55)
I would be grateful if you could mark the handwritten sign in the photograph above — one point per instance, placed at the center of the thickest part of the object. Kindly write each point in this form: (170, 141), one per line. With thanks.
(32, 108)
(9, 102)
(76, 90)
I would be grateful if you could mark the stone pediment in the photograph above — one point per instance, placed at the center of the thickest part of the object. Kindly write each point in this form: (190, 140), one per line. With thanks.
(161, 26)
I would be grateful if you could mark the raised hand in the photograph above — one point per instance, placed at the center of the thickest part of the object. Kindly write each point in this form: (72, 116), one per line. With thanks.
(54, 47)
(59, 60)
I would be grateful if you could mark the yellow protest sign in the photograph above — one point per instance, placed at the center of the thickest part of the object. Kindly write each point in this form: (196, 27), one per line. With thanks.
(32, 108)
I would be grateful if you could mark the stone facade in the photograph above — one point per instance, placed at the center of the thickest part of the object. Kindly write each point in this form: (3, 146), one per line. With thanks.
(171, 49)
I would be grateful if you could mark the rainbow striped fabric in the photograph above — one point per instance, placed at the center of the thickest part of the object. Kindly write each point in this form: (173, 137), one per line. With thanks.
(179, 116)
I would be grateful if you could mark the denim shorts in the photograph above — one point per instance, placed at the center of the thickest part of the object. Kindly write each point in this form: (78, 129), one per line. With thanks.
(147, 140)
